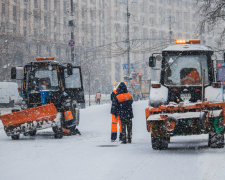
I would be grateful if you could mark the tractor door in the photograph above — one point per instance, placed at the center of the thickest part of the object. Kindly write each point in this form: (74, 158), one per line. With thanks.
(74, 84)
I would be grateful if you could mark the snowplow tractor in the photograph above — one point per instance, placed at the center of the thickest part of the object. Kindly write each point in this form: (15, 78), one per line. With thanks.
(184, 95)
(46, 82)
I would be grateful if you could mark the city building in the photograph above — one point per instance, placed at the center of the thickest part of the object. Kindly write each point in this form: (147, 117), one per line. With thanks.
(31, 28)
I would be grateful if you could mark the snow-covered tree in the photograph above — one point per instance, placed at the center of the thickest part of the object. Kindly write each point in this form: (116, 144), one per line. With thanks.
(212, 16)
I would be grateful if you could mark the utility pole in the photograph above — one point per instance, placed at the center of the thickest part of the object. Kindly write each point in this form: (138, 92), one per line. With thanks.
(170, 29)
(128, 40)
(71, 24)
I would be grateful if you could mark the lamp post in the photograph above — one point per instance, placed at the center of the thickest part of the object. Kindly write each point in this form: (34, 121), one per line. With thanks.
(128, 40)
(71, 24)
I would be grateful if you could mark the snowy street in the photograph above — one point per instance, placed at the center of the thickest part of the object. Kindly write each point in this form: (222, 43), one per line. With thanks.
(93, 156)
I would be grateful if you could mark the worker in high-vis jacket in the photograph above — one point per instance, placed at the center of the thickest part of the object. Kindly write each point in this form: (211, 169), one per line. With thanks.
(98, 97)
(123, 107)
(115, 119)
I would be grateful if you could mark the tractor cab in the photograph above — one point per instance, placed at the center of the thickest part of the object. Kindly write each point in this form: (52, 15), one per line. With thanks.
(47, 81)
(186, 70)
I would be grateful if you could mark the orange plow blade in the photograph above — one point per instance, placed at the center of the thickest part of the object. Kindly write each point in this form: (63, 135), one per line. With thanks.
(40, 113)
(32, 119)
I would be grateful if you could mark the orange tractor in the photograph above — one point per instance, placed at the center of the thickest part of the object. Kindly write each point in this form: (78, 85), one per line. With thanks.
(186, 99)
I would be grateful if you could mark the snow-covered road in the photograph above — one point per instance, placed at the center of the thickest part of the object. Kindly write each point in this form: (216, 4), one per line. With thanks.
(93, 156)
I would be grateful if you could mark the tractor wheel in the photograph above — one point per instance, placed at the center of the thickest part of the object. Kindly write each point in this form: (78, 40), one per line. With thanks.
(15, 137)
(159, 143)
(33, 133)
(58, 132)
(58, 135)
(216, 140)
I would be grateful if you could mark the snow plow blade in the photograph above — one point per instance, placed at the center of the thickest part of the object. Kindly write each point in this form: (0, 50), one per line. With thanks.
(30, 119)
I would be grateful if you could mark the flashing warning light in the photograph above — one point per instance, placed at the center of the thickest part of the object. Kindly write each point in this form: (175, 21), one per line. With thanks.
(180, 41)
(44, 58)
(195, 41)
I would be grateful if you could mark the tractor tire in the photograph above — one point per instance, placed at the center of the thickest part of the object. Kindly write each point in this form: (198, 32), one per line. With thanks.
(58, 135)
(58, 132)
(15, 137)
(32, 133)
(159, 143)
(216, 140)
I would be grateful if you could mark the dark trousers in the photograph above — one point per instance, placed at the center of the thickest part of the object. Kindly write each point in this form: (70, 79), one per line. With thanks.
(126, 129)
(97, 101)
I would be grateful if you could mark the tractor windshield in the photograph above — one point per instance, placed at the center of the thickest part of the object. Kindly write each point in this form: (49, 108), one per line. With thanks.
(185, 69)
(43, 78)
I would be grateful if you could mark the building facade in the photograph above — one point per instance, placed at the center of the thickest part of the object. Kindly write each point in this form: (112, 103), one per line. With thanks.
(31, 28)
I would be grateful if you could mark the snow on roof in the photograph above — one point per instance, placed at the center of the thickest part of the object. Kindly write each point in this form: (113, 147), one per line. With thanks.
(188, 47)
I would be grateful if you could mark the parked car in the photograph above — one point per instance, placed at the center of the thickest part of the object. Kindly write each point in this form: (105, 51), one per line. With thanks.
(9, 95)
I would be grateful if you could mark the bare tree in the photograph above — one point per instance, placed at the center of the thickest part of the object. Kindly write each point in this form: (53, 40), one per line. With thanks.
(212, 14)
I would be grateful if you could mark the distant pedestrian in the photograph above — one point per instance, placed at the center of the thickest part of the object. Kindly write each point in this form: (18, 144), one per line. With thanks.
(123, 105)
(98, 98)
(115, 118)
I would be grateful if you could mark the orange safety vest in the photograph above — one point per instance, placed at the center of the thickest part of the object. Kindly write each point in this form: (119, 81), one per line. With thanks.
(98, 96)
(68, 115)
(192, 78)
(124, 97)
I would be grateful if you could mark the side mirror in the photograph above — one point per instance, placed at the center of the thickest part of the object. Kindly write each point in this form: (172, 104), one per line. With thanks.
(13, 73)
(69, 69)
(151, 61)
(17, 73)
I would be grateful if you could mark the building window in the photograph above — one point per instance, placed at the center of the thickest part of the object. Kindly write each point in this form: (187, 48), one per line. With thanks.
(36, 3)
(28, 48)
(14, 28)
(25, 1)
(55, 36)
(45, 33)
(117, 72)
(55, 21)
(83, 12)
(25, 31)
(45, 5)
(38, 50)
(55, 4)
(3, 10)
(46, 20)
(58, 51)
(67, 52)
(64, 6)
(48, 49)
(14, 13)
(2, 27)
(64, 22)
(25, 15)
(35, 33)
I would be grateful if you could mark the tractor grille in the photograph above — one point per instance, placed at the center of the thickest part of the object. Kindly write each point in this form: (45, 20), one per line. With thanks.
(34, 98)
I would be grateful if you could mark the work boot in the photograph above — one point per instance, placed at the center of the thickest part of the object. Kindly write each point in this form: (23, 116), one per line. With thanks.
(120, 137)
(124, 142)
(113, 136)
(129, 140)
